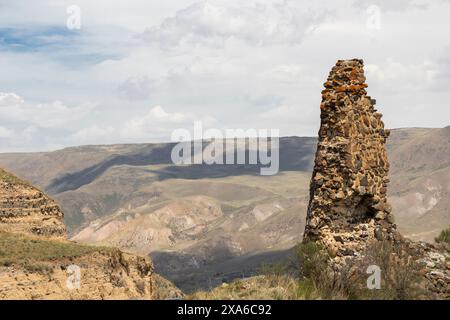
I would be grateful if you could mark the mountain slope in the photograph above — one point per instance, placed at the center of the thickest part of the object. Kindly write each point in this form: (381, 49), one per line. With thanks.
(221, 218)
(420, 181)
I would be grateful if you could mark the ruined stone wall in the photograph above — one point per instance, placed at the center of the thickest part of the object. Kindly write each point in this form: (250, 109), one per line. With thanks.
(348, 206)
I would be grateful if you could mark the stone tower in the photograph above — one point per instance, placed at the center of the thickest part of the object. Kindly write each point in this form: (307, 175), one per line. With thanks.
(348, 206)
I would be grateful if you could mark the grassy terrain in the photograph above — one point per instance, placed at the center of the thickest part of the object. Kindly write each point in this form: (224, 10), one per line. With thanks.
(308, 276)
(9, 178)
(267, 287)
(36, 254)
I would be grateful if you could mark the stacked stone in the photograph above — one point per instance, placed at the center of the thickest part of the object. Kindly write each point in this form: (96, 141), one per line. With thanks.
(348, 206)
(25, 209)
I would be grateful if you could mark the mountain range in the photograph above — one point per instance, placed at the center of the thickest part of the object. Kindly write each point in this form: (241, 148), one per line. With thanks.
(205, 224)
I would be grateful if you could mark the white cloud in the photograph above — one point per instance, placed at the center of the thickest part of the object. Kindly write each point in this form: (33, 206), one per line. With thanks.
(285, 73)
(6, 133)
(158, 122)
(210, 23)
(252, 64)
(92, 134)
(13, 108)
(389, 5)
(136, 88)
(417, 76)
(10, 99)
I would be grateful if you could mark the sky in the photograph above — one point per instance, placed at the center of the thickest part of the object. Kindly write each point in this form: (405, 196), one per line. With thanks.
(134, 71)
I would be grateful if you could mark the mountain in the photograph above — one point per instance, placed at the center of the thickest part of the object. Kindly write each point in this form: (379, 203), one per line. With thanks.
(420, 181)
(205, 224)
(38, 262)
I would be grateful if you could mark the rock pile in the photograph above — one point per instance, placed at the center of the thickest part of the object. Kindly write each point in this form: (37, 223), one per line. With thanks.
(348, 205)
(25, 209)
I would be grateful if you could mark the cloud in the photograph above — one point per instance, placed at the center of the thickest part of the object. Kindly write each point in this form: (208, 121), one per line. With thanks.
(285, 73)
(6, 133)
(158, 122)
(252, 64)
(10, 99)
(14, 109)
(407, 77)
(441, 75)
(92, 134)
(389, 5)
(212, 24)
(136, 88)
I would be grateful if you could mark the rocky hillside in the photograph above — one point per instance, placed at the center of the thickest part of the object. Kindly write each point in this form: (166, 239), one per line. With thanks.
(25, 209)
(420, 181)
(37, 262)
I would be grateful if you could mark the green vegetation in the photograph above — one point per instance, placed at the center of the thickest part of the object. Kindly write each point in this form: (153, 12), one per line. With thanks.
(309, 276)
(111, 201)
(36, 255)
(444, 236)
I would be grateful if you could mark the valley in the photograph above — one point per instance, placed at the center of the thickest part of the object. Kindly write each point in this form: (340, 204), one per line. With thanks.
(203, 225)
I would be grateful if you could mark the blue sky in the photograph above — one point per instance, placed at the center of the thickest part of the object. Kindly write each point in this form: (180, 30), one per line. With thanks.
(136, 70)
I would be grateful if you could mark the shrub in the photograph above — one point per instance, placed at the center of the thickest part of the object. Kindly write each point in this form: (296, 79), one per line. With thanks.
(310, 260)
(444, 236)
(399, 273)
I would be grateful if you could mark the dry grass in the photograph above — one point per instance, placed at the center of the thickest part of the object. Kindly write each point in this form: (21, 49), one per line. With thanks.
(309, 276)
(265, 287)
(399, 274)
(166, 290)
(10, 178)
(37, 254)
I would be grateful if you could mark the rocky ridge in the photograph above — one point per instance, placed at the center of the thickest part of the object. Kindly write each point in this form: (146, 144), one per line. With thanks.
(36, 259)
(25, 209)
(103, 275)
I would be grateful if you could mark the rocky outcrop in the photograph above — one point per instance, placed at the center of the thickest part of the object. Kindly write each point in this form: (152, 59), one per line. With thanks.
(25, 209)
(348, 205)
(348, 208)
(38, 262)
(103, 275)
